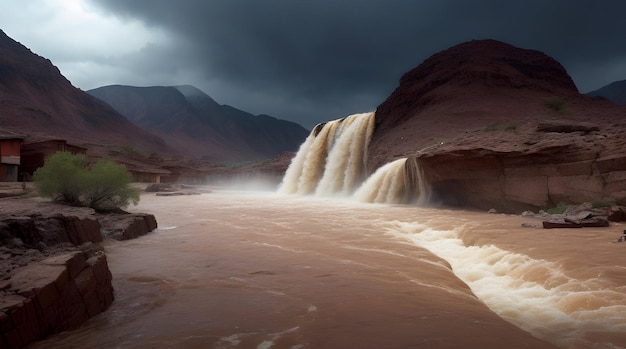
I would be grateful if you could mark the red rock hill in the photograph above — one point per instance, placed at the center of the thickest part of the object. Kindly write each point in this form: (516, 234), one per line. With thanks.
(39, 102)
(499, 126)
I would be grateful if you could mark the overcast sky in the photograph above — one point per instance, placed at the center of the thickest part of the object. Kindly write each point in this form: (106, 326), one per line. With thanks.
(304, 60)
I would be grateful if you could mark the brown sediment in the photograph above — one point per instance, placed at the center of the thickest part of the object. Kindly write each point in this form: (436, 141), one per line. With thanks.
(232, 268)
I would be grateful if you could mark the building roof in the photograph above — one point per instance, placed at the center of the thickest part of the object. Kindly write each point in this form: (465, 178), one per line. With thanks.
(6, 135)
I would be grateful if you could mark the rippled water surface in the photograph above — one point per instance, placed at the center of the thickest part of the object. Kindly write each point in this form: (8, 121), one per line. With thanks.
(257, 270)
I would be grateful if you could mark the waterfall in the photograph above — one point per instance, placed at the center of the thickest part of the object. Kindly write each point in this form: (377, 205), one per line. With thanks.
(397, 182)
(332, 161)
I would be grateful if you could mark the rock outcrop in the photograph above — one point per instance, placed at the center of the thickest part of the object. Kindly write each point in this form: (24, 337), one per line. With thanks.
(53, 271)
(127, 226)
(56, 294)
(495, 126)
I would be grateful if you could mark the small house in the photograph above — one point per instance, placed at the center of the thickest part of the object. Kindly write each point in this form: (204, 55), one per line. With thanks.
(34, 154)
(9, 158)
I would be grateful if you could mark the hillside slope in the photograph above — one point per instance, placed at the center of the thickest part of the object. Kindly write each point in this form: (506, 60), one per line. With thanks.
(199, 127)
(614, 92)
(499, 126)
(39, 103)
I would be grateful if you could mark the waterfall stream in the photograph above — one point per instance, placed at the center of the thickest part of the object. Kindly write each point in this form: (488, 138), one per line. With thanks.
(333, 161)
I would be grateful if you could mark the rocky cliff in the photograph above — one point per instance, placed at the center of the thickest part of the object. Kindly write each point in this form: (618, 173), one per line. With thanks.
(496, 126)
(54, 274)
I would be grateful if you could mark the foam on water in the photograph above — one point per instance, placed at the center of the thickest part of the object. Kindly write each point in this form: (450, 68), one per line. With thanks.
(535, 295)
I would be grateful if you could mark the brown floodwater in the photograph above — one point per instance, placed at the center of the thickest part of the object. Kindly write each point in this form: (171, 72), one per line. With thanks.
(234, 269)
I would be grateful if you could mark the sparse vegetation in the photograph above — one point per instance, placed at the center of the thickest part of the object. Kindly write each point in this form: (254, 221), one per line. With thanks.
(236, 165)
(492, 127)
(68, 178)
(555, 103)
(496, 126)
(558, 209)
(133, 151)
(606, 202)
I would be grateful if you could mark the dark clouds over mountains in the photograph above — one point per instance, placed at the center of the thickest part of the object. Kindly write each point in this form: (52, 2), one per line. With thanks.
(311, 61)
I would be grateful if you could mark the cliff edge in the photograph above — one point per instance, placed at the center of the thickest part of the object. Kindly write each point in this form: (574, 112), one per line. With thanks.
(496, 126)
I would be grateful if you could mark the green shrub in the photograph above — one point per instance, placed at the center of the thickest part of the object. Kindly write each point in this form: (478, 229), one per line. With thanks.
(510, 127)
(67, 177)
(606, 202)
(559, 209)
(130, 150)
(555, 103)
(492, 127)
(62, 177)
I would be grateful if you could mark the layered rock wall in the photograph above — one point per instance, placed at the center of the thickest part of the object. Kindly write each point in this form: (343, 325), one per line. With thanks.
(54, 273)
(515, 182)
(53, 295)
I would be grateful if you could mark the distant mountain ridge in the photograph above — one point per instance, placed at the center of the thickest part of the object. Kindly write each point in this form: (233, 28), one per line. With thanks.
(614, 92)
(197, 126)
(40, 103)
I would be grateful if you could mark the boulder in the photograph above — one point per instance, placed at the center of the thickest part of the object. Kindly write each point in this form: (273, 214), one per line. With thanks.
(127, 226)
(556, 223)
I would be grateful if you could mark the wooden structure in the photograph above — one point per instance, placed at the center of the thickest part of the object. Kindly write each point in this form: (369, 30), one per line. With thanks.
(9, 158)
(34, 154)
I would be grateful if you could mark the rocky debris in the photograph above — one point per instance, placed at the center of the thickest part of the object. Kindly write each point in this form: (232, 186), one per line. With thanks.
(577, 216)
(178, 193)
(567, 222)
(162, 187)
(171, 189)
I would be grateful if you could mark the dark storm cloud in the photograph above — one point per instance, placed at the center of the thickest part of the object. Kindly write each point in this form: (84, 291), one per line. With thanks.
(311, 61)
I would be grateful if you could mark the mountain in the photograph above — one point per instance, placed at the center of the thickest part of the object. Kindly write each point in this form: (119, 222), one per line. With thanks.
(614, 92)
(497, 126)
(197, 126)
(40, 103)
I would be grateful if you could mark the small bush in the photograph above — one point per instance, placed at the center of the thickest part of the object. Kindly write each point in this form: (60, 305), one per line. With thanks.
(559, 209)
(492, 127)
(606, 202)
(66, 177)
(130, 150)
(510, 127)
(555, 103)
